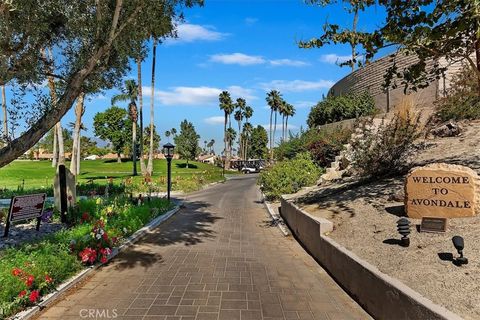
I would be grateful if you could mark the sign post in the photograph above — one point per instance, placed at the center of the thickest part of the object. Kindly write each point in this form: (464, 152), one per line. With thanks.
(25, 207)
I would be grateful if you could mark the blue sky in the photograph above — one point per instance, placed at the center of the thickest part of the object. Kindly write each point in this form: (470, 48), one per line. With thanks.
(246, 47)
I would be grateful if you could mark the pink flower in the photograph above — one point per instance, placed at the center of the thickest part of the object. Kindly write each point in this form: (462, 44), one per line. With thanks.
(103, 259)
(48, 279)
(22, 293)
(88, 255)
(34, 295)
(29, 281)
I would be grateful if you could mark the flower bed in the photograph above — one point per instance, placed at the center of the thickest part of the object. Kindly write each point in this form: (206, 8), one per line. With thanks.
(32, 270)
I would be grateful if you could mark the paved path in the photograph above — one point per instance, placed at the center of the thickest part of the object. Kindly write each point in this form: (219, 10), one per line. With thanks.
(218, 258)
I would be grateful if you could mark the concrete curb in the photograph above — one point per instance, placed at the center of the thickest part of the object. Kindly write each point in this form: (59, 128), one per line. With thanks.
(381, 295)
(62, 288)
(276, 218)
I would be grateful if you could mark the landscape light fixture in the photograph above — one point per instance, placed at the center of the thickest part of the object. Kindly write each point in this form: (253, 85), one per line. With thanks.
(168, 149)
(459, 245)
(403, 227)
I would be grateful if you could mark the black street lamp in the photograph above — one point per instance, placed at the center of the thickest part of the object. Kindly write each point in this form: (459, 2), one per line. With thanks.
(168, 152)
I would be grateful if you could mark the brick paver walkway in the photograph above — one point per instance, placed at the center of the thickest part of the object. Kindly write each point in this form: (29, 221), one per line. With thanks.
(216, 259)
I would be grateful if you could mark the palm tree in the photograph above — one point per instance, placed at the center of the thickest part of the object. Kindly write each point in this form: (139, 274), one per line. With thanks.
(281, 111)
(130, 93)
(238, 116)
(212, 143)
(247, 113)
(247, 131)
(140, 105)
(205, 146)
(231, 135)
(173, 131)
(152, 99)
(274, 101)
(167, 134)
(290, 112)
(227, 106)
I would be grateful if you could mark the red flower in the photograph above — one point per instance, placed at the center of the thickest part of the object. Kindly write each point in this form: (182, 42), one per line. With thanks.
(22, 293)
(29, 281)
(48, 279)
(105, 236)
(17, 272)
(103, 259)
(34, 295)
(88, 255)
(85, 217)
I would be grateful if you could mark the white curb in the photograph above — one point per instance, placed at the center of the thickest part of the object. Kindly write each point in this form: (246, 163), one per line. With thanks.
(276, 218)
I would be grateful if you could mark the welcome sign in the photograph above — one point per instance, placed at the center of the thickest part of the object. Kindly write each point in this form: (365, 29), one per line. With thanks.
(441, 190)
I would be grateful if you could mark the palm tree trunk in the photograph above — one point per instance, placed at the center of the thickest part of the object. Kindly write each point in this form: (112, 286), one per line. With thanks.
(286, 128)
(225, 149)
(76, 134)
(274, 130)
(79, 153)
(143, 168)
(5, 117)
(119, 158)
(55, 151)
(150, 151)
(270, 135)
(134, 147)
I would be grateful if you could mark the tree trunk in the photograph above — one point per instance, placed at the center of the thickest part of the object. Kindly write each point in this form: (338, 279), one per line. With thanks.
(55, 151)
(225, 149)
(477, 56)
(270, 135)
(273, 135)
(239, 140)
(61, 148)
(150, 151)
(119, 158)
(5, 116)
(143, 168)
(76, 134)
(134, 147)
(79, 153)
(353, 42)
(286, 128)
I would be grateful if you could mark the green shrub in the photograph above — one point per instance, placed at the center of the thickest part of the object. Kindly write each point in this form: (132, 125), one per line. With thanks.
(462, 100)
(323, 144)
(385, 150)
(289, 176)
(333, 109)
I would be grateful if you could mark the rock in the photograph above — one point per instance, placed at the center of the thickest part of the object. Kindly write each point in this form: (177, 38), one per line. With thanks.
(449, 129)
(398, 196)
(442, 190)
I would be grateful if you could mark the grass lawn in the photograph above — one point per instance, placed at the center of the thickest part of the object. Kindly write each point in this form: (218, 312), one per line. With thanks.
(40, 174)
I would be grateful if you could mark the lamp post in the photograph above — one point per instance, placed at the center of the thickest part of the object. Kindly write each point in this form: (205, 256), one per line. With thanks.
(168, 152)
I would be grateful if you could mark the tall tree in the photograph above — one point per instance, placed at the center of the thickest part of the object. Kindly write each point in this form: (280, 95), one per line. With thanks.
(187, 141)
(156, 139)
(113, 125)
(212, 143)
(167, 135)
(289, 112)
(143, 168)
(247, 113)
(227, 106)
(429, 29)
(76, 153)
(130, 93)
(92, 47)
(173, 131)
(274, 101)
(231, 135)
(258, 143)
(247, 131)
(152, 99)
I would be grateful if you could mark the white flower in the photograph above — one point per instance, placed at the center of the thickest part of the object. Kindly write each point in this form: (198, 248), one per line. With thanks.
(98, 236)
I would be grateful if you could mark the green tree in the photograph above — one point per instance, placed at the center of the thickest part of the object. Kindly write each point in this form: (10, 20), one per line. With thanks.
(130, 93)
(156, 138)
(114, 126)
(227, 106)
(94, 42)
(289, 112)
(258, 143)
(429, 29)
(187, 141)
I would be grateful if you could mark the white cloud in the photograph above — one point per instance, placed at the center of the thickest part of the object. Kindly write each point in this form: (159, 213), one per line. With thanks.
(237, 58)
(188, 32)
(288, 62)
(214, 120)
(334, 58)
(195, 96)
(250, 21)
(296, 85)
